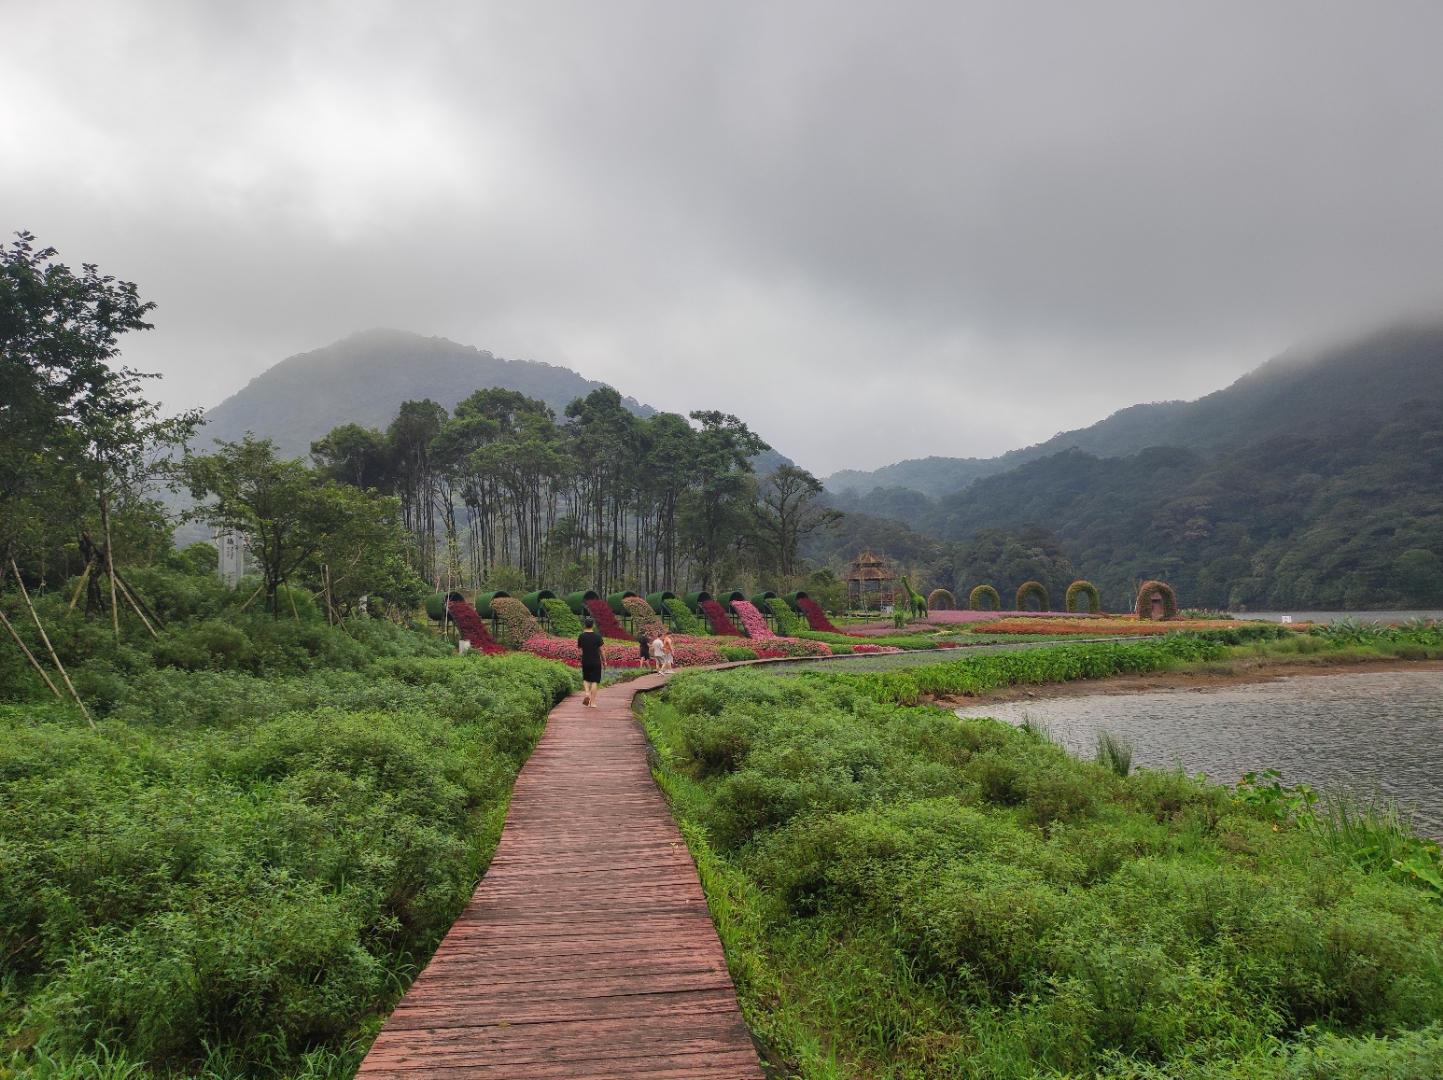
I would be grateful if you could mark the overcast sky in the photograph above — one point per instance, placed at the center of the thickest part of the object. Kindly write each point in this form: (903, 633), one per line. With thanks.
(874, 231)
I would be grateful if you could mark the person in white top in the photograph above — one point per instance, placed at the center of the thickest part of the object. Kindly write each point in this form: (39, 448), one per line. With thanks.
(658, 652)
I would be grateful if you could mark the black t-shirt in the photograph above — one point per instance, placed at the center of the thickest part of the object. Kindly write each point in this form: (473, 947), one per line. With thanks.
(590, 645)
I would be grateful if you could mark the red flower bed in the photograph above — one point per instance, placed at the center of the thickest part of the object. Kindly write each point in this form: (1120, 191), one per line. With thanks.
(717, 616)
(867, 647)
(473, 627)
(816, 617)
(753, 622)
(606, 623)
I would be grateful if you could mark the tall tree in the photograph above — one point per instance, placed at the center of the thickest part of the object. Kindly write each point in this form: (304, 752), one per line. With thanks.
(714, 509)
(790, 508)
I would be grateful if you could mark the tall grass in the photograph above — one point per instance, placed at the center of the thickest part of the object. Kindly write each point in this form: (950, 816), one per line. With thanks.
(237, 876)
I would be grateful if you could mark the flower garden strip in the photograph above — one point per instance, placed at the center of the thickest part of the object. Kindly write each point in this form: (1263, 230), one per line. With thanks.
(787, 621)
(816, 617)
(564, 622)
(473, 628)
(685, 621)
(1099, 627)
(518, 626)
(689, 652)
(646, 622)
(753, 622)
(721, 625)
(606, 623)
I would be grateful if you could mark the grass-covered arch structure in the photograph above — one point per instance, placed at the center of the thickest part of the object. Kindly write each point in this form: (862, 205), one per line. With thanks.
(1162, 591)
(1032, 588)
(941, 600)
(1086, 589)
(984, 593)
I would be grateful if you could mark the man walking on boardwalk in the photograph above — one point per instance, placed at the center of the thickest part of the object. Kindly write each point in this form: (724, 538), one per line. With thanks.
(590, 643)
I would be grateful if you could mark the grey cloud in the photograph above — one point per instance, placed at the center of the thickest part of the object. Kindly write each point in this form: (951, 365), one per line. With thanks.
(809, 214)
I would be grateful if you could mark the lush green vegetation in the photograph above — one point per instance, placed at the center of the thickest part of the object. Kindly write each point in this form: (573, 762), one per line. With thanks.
(902, 893)
(1331, 521)
(242, 866)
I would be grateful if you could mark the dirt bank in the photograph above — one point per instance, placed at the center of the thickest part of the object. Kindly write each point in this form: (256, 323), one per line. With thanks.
(1247, 669)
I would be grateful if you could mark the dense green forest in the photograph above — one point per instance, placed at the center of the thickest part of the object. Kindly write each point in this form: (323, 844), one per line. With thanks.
(499, 494)
(1329, 521)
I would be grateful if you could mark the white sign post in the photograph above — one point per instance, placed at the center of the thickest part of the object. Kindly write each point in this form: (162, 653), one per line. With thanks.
(231, 547)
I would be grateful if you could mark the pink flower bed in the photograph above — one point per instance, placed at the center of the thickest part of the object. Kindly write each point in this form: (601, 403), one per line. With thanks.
(866, 647)
(816, 617)
(717, 616)
(689, 652)
(518, 625)
(606, 622)
(753, 621)
(473, 628)
(647, 622)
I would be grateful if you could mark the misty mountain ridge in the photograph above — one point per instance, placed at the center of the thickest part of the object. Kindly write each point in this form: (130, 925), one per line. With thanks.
(1305, 392)
(362, 379)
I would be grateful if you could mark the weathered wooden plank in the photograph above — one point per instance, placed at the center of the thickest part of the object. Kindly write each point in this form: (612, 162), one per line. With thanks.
(587, 950)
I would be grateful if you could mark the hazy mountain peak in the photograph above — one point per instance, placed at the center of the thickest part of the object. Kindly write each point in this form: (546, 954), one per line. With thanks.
(364, 377)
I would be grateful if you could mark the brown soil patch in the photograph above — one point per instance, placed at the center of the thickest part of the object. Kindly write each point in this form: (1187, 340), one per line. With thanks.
(1203, 677)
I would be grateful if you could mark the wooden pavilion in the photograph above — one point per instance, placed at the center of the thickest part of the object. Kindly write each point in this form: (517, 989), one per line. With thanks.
(870, 583)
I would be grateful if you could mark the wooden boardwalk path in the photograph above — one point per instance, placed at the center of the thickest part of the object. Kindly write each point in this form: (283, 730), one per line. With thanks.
(587, 950)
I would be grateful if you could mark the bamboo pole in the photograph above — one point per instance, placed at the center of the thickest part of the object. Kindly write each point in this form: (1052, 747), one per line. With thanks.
(292, 599)
(109, 561)
(252, 597)
(84, 578)
(138, 598)
(136, 607)
(29, 655)
(49, 647)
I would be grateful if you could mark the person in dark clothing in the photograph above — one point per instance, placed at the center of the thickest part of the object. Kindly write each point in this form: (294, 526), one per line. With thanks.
(645, 652)
(590, 643)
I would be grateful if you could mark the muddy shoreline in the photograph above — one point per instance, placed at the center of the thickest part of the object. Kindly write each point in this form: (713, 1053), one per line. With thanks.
(1204, 677)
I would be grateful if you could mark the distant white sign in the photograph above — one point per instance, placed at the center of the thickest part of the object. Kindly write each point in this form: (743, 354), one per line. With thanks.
(1286, 619)
(231, 547)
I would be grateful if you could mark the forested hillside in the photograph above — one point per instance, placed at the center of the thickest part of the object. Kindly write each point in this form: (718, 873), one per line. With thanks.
(1309, 483)
(362, 379)
(1313, 393)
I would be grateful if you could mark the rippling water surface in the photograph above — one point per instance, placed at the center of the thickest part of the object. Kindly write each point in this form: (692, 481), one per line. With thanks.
(1378, 731)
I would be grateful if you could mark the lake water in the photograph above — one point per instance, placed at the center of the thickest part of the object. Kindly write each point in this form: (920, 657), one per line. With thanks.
(1334, 616)
(1372, 732)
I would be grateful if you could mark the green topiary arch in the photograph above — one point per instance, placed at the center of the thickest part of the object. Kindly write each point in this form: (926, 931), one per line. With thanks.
(1159, 589)
(1083, 588)
(1032, 588)
(941, 600)
(981, 593)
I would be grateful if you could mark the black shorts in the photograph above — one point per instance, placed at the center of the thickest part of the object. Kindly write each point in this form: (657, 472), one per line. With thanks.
(590, 672)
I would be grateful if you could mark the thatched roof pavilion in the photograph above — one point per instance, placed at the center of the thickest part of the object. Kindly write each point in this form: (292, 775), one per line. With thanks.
(870, 582)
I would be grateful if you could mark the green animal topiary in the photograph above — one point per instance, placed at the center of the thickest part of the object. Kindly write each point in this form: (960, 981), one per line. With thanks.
(941, 600)
(1032, 588)
(685, 621)
(1083, 588)
(987, 593)
(916, 605)
(1156, 588)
